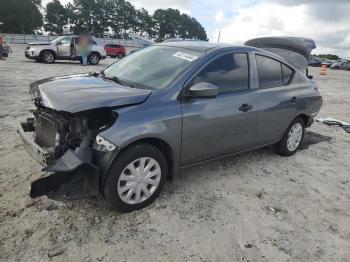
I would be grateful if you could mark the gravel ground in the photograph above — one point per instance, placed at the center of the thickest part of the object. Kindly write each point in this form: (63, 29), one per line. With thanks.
(255, 207)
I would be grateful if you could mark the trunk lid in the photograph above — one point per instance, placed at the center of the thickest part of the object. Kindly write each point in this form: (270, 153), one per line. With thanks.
(293, 49)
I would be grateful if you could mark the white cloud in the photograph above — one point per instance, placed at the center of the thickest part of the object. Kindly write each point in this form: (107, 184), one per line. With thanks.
(219, 16)
(274, 19)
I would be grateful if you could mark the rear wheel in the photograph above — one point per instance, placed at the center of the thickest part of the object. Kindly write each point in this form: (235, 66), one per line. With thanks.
(47, 57)
(136, 178)
(94, 59)
(292, 139)
(113, 56)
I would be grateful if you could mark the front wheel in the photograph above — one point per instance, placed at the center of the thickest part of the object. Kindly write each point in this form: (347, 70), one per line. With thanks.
(94, 59)
(47, 57)
(292, 139)
(120, 55)
(136, 178)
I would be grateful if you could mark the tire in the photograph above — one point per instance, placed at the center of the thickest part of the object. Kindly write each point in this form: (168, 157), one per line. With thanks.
(120, 55)
(113, 56)
(123, 197)
(47, 57)
(94, 59)
(286, 147)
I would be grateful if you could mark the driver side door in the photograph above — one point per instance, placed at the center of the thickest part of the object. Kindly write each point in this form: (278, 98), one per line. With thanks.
(64, 47)
(213, 127)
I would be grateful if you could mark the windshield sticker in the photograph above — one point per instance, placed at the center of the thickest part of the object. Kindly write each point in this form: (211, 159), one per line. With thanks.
(185, 56)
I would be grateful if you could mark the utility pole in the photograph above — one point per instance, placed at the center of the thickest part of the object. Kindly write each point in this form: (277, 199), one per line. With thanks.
(219, 36)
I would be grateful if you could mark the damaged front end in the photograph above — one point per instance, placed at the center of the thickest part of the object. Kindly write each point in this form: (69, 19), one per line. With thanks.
(67, 144)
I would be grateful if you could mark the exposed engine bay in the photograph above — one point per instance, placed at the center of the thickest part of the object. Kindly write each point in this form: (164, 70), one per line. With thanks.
(69, 140)
(59, 131)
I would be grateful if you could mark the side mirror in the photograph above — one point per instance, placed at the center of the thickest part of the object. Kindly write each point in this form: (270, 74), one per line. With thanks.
(58, 43)
(204, 90)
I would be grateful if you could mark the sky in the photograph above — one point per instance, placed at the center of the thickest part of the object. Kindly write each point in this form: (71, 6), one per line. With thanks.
(325, 21)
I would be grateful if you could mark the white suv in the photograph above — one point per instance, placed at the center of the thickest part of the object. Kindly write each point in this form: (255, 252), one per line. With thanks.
(64, 48)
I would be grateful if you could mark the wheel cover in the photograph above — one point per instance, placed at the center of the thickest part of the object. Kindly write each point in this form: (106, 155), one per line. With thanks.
(139, 180)
(294, 137)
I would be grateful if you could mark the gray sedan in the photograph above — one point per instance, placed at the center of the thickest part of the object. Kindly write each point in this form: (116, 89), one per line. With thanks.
(121, 133)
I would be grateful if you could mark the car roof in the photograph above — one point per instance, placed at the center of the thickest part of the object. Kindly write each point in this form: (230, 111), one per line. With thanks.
(205, 46)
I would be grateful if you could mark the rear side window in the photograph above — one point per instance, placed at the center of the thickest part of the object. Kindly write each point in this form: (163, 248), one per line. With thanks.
(230, 73)
(269, 72)
(287, 74)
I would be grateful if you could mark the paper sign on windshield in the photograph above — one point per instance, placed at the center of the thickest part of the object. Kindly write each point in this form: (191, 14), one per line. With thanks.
(185, 56)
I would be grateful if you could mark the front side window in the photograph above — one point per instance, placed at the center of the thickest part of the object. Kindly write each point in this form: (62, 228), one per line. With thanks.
(66, 40)
(269, 72)
(154, 67)
(230, 73)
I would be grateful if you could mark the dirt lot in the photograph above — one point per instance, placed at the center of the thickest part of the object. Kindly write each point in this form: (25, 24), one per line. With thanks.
(256, 207)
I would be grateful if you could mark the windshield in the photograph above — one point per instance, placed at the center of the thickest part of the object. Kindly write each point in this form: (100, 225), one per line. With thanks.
(154, 67)
(57, 39)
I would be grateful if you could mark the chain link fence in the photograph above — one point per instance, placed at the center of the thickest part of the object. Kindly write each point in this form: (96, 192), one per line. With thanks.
(24, 39)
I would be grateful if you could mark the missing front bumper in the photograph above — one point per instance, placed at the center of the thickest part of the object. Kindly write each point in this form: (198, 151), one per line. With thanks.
(72, 176)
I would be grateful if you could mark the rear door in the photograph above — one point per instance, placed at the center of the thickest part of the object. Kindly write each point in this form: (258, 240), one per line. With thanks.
(277, 99)
(217, 126)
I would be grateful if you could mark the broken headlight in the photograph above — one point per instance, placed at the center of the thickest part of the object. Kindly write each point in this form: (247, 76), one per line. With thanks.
(102, 144)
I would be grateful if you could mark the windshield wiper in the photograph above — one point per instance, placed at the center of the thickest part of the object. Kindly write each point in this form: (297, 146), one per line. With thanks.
(119, 81)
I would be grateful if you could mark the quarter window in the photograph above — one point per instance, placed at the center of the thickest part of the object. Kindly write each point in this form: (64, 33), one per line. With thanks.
(230, 73)
(287, 74)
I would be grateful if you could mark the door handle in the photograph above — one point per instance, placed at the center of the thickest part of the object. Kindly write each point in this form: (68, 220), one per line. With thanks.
(245, 107)
(293, 100)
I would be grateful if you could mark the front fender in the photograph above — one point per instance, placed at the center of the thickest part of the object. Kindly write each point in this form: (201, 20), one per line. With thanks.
(141, 122)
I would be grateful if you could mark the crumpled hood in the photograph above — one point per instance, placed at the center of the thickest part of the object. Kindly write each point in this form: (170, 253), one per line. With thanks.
(77, 93)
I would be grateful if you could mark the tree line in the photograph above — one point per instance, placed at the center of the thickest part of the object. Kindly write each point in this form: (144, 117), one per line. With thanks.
(119, 18)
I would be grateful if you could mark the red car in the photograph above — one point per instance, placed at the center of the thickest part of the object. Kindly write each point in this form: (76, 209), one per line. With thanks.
(114, 50)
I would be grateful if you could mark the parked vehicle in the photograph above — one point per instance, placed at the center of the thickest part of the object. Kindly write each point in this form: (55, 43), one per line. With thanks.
(315, 63)
(345, 65)
(6, 50)
(114, 50)
(120, 133)
(327, 63)
(64, 48)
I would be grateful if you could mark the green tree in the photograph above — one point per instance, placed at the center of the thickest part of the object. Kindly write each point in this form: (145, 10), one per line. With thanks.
(56, 17)
(329, 56)
(20, 16)
(170, 23)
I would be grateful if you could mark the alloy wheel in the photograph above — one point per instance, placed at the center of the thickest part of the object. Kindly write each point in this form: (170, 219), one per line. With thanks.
(48, 57)
(93, 59)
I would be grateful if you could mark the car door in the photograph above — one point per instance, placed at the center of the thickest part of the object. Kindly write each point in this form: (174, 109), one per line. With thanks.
(213, 127)
(64, 47)
(278, 99)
